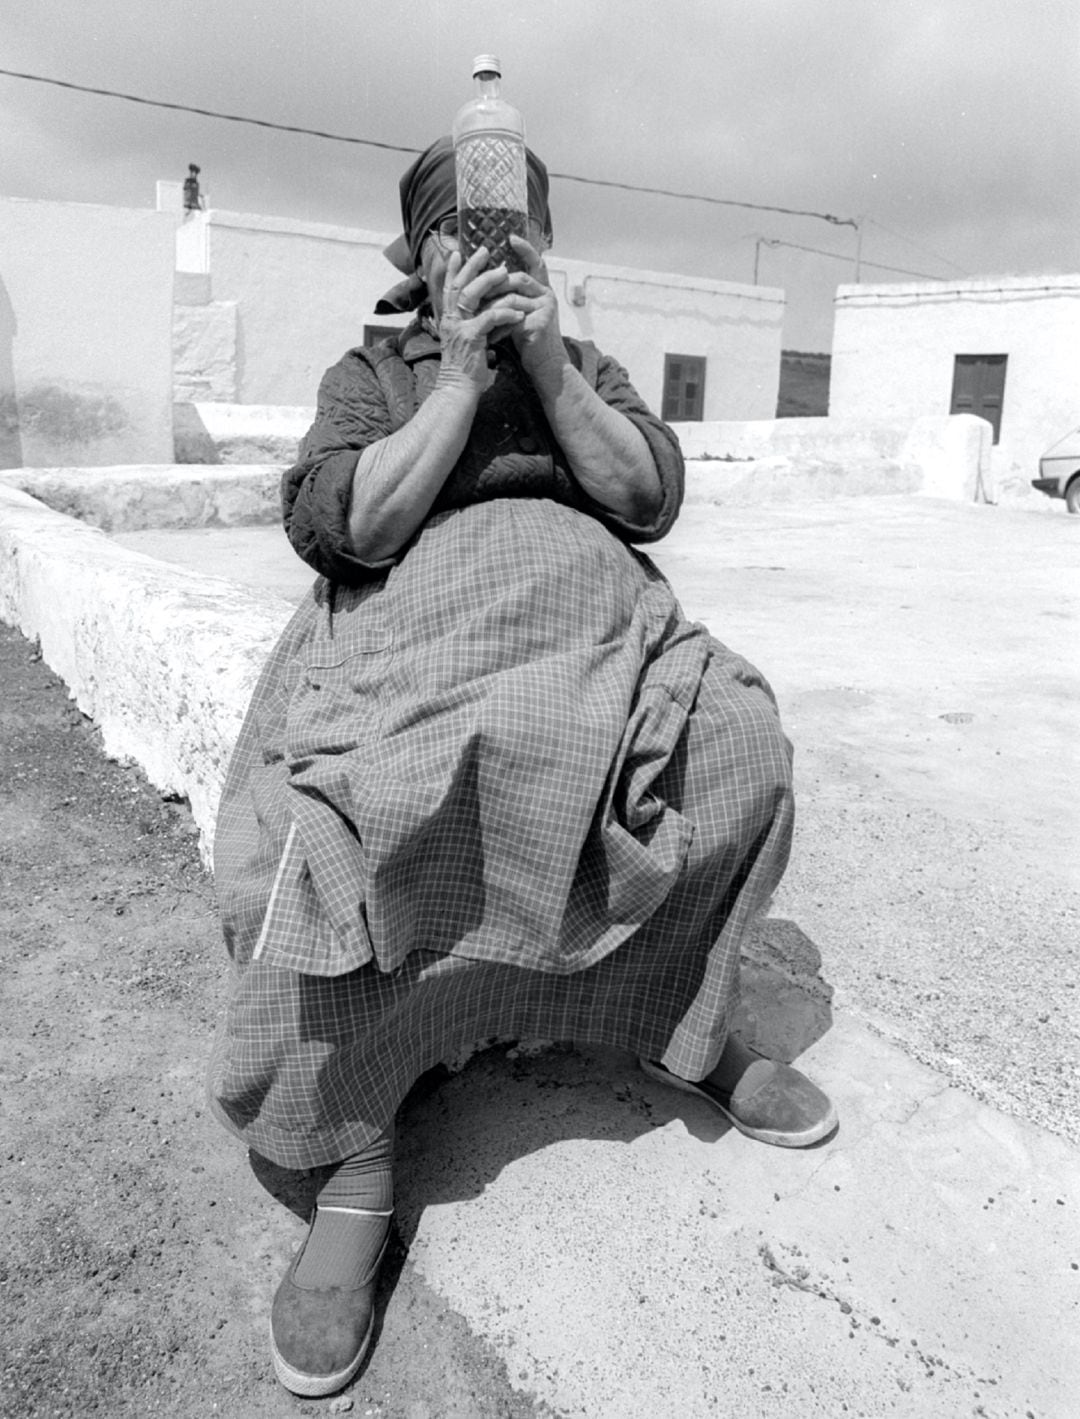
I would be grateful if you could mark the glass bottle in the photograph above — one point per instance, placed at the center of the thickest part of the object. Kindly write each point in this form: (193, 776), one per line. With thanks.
(489, 161)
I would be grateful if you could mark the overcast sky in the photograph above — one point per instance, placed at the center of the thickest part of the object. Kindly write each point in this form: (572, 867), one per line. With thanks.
(950, 127)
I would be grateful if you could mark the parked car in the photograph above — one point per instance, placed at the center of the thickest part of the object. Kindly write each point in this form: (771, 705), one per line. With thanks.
(1059, 471)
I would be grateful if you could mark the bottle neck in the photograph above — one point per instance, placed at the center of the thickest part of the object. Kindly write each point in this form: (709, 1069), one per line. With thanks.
(487, 85)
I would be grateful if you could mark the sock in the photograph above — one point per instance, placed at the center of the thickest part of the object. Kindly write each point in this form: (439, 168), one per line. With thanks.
(355, 1205)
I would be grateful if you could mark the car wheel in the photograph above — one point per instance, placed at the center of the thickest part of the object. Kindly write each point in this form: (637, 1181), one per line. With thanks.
(1072, 495)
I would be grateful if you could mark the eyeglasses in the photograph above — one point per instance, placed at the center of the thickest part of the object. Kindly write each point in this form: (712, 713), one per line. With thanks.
(447, 238)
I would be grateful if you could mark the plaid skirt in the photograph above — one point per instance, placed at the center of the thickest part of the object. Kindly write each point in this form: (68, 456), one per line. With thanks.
(505, 791)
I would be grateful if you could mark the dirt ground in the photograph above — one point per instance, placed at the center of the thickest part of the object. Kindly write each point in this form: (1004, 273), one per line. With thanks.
(141, 1245)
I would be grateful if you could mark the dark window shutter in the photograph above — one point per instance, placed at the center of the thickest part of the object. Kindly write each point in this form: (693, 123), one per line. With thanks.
(684, 388)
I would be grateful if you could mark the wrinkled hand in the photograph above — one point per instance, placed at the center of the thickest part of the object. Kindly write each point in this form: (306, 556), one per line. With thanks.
(537, 335)
(473, 313)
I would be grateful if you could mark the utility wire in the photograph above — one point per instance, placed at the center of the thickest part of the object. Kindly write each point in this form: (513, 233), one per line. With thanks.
(398, 148)
(207, 112)
(917, 245)
(839, 256)
(716, 201)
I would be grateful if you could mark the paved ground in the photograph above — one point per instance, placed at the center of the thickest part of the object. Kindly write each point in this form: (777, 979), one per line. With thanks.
(140, 1247)
(926, 656)
(625, 1255)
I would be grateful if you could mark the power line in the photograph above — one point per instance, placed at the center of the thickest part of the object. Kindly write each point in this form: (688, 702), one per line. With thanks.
(208, 112)
(917, 245)
(839, 256)
(716, 201)
(398, 148)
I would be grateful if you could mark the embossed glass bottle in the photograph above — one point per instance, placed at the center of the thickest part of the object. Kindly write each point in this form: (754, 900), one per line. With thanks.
(489, 160)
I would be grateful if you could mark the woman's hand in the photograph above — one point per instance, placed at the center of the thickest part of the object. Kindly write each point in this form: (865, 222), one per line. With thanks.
(537, 336)
(398, 477)
(471, 311)
(607, 453)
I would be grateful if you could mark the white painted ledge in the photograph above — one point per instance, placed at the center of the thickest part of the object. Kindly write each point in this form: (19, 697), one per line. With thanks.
(133, 497)
(164, 660)
(784, 460)
(205, 431)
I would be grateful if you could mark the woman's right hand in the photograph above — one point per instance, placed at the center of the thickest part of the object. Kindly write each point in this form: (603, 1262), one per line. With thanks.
(398, 477)
(468, 319)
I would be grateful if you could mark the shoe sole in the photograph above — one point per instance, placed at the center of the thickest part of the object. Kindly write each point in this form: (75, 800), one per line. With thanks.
(760, 1135)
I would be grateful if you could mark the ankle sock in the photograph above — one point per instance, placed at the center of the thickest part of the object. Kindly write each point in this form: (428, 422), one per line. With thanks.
(353, 1214)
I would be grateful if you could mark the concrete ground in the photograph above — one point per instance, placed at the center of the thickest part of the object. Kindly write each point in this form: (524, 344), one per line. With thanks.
(626, 1253)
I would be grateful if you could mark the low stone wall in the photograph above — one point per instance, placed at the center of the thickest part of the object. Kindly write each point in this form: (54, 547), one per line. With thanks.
(163, 659)
(134, 497)
(785, 460)
(208, 432)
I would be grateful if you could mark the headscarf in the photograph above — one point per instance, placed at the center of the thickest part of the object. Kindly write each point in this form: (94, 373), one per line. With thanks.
(428, 192)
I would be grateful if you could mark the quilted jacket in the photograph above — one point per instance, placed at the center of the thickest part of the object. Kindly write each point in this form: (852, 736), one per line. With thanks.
(373, 391)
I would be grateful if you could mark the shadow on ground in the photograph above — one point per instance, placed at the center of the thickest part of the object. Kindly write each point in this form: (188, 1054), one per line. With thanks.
(517, 1099)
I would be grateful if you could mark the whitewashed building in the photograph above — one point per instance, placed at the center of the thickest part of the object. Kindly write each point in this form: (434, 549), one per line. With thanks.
(1005, 349)
(266, 304)
(85, 334)
(115, 323)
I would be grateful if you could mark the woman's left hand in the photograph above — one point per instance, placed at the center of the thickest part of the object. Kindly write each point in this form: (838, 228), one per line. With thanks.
(607, 453)
(537, 338)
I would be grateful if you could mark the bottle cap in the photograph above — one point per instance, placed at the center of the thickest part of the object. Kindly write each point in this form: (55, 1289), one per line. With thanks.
(486, 64)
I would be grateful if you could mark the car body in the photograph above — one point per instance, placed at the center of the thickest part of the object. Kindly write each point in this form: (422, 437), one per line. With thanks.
(1059, 471)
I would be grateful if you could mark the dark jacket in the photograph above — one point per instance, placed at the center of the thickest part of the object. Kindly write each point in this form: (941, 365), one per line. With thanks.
(374, 390)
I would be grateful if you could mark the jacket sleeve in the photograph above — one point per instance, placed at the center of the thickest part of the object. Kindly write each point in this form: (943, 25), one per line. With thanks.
(352, 412)
(612, 383)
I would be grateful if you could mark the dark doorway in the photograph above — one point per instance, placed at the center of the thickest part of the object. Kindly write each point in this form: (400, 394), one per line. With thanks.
(979, 388)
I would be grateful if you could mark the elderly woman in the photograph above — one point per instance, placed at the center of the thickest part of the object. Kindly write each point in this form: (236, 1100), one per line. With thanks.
(492, 782)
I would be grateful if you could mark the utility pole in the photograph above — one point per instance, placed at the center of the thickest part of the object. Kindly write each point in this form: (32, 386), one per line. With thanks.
(858, 225)
(758, 244)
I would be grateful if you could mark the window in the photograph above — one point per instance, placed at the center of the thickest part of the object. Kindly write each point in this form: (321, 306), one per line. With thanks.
(374, 333)
(684, 387)
(979, 388)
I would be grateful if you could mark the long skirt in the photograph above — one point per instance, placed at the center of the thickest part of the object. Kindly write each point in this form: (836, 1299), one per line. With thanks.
(505, 791)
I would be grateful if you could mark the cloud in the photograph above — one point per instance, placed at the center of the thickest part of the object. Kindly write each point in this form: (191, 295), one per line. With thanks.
(950, 122)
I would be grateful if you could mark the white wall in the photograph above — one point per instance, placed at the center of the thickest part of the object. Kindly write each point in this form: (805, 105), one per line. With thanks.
(811, 459)
(639, 316)
(85, 334)
(894, 349)
(304, 292)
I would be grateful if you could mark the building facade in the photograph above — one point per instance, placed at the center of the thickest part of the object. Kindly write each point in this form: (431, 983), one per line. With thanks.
(1006, 350)
(111, 317)
(266, 304)
(85, 334)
